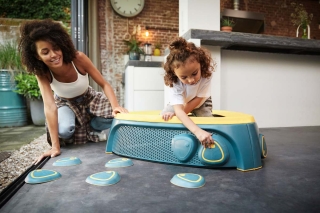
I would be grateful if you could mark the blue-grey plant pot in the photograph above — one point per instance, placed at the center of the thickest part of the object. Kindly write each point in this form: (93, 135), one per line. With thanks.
(13, 107)
(134, 56)
(37, 112)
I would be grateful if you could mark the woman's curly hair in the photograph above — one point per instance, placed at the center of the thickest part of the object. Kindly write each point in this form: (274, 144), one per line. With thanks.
(44, 30)
(180, 51)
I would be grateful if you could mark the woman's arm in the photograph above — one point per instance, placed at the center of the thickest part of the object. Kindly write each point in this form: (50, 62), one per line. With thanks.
(84, 63)
(203, 136)
(51, 113)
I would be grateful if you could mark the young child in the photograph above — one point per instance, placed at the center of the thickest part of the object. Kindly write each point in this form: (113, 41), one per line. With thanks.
(188, 75)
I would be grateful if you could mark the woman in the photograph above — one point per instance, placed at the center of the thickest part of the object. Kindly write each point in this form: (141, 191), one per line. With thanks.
(75, 109)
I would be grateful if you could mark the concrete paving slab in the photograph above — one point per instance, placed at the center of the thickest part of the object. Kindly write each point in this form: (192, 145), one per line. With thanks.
(13, 138)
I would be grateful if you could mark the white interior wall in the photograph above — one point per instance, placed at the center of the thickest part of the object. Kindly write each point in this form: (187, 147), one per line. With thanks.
(279, 90)
(199, 14)
(216, 76)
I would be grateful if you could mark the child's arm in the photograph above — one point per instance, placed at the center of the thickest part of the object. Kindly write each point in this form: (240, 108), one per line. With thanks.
(191, 105)
(187, 108)
(203, 136)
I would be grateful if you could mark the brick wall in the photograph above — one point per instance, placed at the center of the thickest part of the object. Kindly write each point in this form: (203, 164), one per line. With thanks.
(277, 15)
(164, 26)
(163, 17)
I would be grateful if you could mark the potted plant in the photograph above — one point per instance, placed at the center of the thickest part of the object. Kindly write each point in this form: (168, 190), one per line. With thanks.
(13, 107)
(134, 49)
(27, 85)
(227, 24)
(302, 19)
(157, 49)
(133, 44)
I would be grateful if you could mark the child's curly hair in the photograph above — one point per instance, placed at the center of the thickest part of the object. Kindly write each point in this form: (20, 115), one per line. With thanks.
(44, 30)
(180, 51)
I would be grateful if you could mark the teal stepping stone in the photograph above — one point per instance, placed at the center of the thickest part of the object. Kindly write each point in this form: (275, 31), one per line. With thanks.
(69, 161)
(41, 176)
(104, 178)
(119, 162)
(188, 180)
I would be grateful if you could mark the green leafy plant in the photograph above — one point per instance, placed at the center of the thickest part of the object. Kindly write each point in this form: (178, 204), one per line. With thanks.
(300, 16)
(9, 56)
(133, 43)
(227, 22)
(36, 9)
(134, 46)
(158, 45)
(27, 85)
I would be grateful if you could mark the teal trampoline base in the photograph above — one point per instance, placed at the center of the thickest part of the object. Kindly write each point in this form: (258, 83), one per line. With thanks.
(236, 145)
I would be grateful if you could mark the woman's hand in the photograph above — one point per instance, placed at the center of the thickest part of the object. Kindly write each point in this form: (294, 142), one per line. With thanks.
(53, 152)
(205, 138)
(168, 115)
(118, 109)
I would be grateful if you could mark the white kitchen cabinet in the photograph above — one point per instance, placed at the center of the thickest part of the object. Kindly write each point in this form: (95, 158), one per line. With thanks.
(148, 100)
(144, 86)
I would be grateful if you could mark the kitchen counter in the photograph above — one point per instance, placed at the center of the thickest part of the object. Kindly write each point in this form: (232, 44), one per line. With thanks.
(255, 42)
(144, 63)
(273, 78)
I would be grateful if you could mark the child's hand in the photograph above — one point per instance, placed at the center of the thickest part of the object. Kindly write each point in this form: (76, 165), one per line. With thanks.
(205, 138)
(167, 115)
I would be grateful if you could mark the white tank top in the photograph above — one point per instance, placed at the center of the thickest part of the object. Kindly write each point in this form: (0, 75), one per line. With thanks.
(73, 89)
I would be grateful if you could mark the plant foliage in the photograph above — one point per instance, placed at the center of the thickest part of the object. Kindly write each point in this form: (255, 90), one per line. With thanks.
(300, 15)
(27, 85)
(36, 9)
(227, 22)
(133, 43)
(158, 45)
(9, 56)
(134, 46)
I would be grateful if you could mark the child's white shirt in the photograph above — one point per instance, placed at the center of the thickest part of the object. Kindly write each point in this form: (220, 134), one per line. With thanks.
(182, 93)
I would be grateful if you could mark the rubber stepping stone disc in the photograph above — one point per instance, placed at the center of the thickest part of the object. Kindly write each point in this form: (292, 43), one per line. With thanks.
(69, 161)
(188, 180)
(104, 178)
(41, 176)
(119, 162)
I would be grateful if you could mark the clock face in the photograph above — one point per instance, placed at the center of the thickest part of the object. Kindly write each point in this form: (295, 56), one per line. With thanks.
(127, 8)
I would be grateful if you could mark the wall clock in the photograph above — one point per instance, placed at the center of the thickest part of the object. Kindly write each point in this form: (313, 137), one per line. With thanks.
(127, 8)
